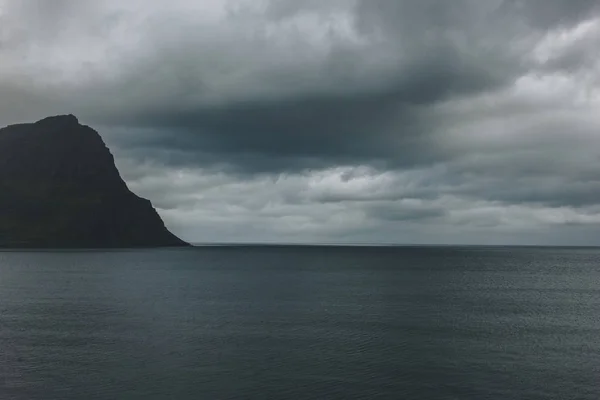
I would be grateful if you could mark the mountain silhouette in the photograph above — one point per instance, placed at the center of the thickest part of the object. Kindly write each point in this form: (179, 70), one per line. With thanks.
(60, 188)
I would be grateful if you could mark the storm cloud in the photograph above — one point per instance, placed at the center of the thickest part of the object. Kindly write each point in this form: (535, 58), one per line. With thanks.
(379, 121)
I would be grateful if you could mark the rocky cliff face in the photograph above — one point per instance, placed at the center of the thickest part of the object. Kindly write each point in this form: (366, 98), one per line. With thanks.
(59, 187)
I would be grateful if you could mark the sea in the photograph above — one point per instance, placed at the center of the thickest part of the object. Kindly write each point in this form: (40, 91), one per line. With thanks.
(301, 322)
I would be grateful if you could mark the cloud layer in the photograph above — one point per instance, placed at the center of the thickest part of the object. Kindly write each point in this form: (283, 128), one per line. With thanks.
(342, 121)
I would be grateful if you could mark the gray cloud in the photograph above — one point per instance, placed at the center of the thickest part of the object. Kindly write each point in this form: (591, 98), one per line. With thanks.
(351, 120)
(549, 14)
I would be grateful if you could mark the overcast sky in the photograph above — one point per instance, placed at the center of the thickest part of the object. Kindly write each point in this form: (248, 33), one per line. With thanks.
(344, 121)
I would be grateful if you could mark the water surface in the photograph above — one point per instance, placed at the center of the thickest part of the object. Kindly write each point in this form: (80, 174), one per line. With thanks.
(301, 323)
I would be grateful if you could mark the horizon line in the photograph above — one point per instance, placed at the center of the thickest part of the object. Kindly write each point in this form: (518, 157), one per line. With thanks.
(334, 244)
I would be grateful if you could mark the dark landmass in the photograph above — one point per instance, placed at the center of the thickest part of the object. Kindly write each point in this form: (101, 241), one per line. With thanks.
(60, 188)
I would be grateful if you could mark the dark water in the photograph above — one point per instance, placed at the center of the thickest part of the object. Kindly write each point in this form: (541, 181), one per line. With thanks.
(301, 323)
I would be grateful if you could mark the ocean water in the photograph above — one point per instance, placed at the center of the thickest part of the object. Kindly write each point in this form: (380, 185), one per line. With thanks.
(301, 323)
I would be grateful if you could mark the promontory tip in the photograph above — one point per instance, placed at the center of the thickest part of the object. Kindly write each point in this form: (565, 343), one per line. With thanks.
(59, 119)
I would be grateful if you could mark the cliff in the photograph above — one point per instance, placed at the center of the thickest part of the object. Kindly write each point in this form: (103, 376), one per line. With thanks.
(60, 188)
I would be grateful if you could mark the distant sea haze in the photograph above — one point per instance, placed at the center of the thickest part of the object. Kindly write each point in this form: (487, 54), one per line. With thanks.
(301, 322)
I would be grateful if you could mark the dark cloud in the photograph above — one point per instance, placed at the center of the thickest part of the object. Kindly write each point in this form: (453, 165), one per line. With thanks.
(350, 117)
(430, 52)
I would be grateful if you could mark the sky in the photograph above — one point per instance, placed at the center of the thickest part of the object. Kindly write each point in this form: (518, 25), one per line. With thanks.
(338, 121)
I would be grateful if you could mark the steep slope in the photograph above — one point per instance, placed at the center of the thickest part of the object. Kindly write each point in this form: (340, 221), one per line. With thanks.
(59, 187)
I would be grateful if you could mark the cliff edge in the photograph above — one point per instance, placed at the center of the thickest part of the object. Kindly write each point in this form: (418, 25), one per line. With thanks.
(60, 188)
